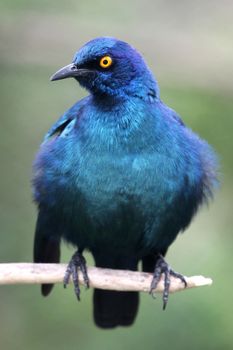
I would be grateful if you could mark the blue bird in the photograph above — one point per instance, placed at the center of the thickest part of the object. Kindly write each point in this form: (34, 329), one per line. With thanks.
(118, 174)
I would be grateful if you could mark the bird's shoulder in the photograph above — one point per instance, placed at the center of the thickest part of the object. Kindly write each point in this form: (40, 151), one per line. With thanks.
(170, 114)
(63, 125)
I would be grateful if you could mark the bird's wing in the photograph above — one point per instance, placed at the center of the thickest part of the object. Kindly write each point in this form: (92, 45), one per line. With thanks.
(64, 121)
(46, 240)
(46, 245)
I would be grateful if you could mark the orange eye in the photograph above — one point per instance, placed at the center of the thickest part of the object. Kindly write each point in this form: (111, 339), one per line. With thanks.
(105, 62)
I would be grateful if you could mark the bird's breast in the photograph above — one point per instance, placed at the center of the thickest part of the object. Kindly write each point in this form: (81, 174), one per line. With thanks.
(102, 197)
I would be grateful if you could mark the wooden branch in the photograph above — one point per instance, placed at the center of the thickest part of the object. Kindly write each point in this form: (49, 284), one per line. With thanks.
(26, 273)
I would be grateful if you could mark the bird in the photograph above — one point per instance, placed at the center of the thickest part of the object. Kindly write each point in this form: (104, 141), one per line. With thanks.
(120, 175)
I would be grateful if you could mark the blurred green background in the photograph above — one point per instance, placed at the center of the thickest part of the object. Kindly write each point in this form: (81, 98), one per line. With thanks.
(188, 45)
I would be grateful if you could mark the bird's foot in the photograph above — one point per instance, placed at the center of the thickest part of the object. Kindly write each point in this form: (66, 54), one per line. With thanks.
(162, 267)
(77, 262)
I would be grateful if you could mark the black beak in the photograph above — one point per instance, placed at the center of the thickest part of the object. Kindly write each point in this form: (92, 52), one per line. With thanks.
(70, 71)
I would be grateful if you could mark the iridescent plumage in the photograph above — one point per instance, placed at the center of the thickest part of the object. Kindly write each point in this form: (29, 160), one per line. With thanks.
(118, 174)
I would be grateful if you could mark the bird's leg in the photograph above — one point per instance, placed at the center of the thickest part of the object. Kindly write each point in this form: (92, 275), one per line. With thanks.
(77, 262)
(162, 267)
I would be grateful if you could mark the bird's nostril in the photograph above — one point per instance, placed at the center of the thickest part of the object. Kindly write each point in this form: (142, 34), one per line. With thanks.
(73, 67)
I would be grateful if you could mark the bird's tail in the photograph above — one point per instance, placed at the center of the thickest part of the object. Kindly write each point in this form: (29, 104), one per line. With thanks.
(113, 308)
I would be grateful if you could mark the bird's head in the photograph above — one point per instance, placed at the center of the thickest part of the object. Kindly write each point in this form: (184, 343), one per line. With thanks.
(107, 66)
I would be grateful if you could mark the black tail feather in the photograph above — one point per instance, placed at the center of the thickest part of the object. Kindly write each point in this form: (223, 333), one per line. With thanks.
(112, 308)
(46, 248)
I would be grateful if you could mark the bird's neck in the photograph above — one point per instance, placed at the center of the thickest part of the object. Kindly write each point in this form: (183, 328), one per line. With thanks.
(126, 108)
(119, 109)
(143, 87)
(116, 125)
(117, 117)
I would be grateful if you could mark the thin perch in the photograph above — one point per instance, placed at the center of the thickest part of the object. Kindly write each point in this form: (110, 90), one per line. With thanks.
(26, 273)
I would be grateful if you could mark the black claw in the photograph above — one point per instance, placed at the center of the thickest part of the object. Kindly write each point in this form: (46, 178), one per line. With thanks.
(77, 262)
(67, 275)
(156, 278)
(162, 267)
(178, 275)
(75, 281)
